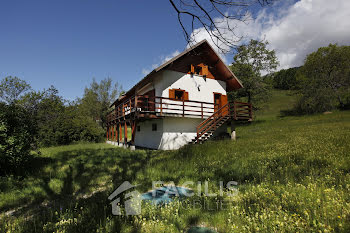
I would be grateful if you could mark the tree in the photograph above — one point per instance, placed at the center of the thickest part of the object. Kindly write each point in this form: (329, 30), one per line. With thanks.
(286, 79)
(11, 88)
(249, 63)
(217, 17)
(98, 98)
(16, 138)
(58, 121)
(325, 79)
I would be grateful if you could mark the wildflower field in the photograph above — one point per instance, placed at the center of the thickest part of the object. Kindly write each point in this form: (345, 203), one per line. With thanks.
(292, 174)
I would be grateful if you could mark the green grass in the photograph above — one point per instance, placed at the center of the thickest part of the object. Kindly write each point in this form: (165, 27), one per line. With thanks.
(279, 100)
(64, 171)
(293, 175)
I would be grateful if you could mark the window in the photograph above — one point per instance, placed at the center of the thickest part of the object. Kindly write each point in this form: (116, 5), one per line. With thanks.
(178, 94)
(198, 70)
(138, 128)
(154, 127)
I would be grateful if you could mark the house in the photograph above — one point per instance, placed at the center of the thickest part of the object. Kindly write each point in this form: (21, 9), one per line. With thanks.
(182, 101)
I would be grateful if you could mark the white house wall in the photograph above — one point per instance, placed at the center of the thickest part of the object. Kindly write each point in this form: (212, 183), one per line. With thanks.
(148, 138)
(178, 132)
(172, 133)
(198, 88)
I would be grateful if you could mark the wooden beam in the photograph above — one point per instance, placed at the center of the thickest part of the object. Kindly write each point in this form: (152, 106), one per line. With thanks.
(120, 133)
(133, 131)
(112, 133)
(125, 133)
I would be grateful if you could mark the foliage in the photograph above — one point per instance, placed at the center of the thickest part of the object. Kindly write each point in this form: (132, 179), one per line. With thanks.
(11, 88)
(98, 98)
(325, 80)
(286, 79)
(249, 63)
(59, 123)
(16, 138)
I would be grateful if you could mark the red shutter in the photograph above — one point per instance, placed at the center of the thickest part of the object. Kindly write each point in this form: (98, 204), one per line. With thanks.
(171, 93)
(185, 95)
(192, 69)
(205, 71)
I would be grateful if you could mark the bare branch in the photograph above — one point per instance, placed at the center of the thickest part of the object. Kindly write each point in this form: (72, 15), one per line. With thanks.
(217, 17)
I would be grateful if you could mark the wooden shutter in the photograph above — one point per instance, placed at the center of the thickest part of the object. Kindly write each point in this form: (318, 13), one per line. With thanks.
(205, 70)
(171, 93)
(185, 95)
(192, 69)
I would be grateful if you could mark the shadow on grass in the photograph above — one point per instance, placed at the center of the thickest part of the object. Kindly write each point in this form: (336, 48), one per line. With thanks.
(76, 173)
(87, 177)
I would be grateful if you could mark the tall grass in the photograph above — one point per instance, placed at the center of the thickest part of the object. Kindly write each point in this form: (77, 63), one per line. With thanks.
(292, 174)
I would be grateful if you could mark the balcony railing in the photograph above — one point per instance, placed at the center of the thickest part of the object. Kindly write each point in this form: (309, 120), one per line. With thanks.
(146, 106)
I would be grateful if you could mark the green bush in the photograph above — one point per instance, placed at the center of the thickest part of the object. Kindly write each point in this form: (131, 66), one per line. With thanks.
(17, 132)
(286, 79)
(325, 80)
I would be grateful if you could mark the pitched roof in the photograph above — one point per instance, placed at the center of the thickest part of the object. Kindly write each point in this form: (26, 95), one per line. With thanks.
(190, 56)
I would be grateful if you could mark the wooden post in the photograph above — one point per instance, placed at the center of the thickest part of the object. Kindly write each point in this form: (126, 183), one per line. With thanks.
(133, 132)
(120, 132)
(161, 106)
(234, 111)
(112, 133)
(107, 133)
(183, 108)
(233, 131)
(202, 109)
(250, 111)
(125, 133)
(117, 133)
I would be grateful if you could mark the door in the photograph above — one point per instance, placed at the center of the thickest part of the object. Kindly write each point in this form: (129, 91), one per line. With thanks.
(223, 102)
(217, 101)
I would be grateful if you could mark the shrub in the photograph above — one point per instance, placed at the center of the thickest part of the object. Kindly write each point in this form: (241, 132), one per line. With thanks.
(286, 79)
(325, 80)
(16, 138)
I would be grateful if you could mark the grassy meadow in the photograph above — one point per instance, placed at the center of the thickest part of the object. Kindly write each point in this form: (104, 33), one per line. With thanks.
(293, 175)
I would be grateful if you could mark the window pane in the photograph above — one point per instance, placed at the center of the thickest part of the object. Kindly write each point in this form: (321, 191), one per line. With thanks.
(154, 127)
(179, 94)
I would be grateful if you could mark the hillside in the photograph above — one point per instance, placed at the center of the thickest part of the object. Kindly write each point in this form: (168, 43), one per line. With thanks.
(292, 175)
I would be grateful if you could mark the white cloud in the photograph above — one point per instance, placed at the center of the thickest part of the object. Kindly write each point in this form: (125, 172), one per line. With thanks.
(162, 60)
(306, 26)
(295, 30)
(168, 57)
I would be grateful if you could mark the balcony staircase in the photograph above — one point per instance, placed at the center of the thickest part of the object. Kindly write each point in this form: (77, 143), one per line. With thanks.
(237, 111)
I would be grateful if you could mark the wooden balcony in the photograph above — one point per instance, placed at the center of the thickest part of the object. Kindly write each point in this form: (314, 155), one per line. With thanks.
(145, 107)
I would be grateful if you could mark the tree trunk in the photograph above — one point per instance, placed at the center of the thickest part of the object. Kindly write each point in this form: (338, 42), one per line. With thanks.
(249, 97)
(341, 104)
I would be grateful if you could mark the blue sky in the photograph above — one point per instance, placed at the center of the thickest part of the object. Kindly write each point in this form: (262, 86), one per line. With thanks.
(66, 43)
